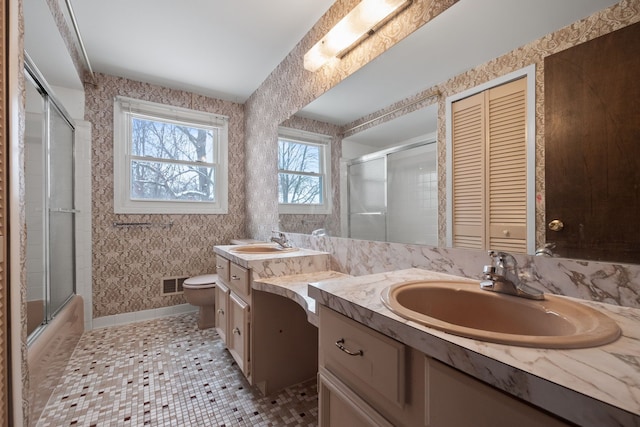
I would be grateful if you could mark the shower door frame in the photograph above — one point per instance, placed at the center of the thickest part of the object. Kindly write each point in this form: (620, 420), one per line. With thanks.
(32, 73)
(382, 154)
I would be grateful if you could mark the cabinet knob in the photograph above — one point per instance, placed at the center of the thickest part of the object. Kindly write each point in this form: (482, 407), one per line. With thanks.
(556, 225)
(236, 331)
(220, 311)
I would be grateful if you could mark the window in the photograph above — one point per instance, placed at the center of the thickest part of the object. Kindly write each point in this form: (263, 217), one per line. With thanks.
(304, 178)
(168, 159)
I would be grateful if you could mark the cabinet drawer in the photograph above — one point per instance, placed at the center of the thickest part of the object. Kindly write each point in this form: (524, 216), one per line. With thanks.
(367, 361)
(239, 280)
(222, 268)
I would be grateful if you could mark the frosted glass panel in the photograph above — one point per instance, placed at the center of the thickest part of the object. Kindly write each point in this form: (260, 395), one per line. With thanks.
(412, 184)
(62, 258)
(367, 200)
(61, 166)
(61, 216)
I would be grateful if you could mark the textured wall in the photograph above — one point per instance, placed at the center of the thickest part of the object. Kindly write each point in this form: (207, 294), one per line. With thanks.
(129, 262)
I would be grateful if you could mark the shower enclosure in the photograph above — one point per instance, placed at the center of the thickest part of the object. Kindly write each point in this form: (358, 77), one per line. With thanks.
(50, 204)
(393, 195)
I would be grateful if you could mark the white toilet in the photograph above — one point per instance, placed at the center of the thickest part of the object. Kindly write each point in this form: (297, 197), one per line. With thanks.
(201, 291)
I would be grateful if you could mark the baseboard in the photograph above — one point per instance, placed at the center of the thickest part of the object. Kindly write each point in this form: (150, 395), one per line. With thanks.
(139, 316)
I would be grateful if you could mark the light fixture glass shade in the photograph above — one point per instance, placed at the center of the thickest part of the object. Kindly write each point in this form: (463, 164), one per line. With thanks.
(366, 16)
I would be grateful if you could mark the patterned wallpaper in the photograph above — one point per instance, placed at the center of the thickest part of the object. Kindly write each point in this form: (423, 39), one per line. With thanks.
(129, 262)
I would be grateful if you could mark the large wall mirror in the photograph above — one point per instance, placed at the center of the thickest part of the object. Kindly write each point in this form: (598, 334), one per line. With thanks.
(462, 37)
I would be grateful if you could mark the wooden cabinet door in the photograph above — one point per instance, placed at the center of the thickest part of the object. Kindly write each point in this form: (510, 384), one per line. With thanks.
(239, 330)
(222, 310)
(340, 406)
(592, 148)
(455, 399)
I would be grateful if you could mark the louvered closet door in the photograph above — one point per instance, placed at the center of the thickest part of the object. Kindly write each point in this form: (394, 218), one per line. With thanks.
(490, 169)
(468, 126)
(507, 167)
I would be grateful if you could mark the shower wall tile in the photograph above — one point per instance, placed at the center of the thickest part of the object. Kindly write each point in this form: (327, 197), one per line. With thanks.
(129, 262)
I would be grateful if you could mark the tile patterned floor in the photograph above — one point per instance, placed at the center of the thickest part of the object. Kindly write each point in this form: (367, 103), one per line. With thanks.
(166, 372)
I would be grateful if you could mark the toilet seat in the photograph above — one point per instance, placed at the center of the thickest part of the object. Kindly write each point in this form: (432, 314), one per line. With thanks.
(204, 281)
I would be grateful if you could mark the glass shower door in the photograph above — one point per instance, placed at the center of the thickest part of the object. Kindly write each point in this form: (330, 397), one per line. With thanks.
(368, 200)
(61, 211)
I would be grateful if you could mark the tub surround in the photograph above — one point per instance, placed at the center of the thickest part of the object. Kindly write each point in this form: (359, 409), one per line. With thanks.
(569, 383)
(49, 354)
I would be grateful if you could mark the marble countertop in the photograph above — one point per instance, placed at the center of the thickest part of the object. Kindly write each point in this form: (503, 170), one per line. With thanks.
(251, 260)
(591, 386)
(295, 288)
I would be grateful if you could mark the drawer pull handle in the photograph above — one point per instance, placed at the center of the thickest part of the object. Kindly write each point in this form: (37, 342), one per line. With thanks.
(234, 277)
(236, 331)
(220, 311)
(220, 267)
(340, 345)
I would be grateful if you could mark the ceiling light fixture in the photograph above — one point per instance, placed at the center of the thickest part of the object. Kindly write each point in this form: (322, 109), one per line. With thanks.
(365, 19)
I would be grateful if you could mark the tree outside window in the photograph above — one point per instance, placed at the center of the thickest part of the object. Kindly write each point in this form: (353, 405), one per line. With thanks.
(171, 161)
(303, 172)
(168, 159)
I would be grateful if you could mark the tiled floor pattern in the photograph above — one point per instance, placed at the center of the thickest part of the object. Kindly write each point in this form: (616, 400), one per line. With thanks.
(166, 372)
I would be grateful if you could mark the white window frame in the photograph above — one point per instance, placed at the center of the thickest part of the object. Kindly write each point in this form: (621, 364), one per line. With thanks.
(324, 142)
(123, 108)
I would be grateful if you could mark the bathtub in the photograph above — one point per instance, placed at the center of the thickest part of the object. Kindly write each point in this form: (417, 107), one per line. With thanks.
(49, 353)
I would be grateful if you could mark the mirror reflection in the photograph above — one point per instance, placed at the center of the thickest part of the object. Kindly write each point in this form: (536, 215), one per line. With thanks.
(458, 40)
(392, 182)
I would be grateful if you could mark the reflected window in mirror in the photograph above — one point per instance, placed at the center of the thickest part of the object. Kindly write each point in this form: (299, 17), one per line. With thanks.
(304, 172)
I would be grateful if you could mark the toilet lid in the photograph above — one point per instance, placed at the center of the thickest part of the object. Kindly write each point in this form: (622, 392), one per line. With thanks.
(205, 279)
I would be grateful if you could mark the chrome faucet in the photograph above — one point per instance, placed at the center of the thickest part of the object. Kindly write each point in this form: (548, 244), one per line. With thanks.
(502, 276)
(281, 239)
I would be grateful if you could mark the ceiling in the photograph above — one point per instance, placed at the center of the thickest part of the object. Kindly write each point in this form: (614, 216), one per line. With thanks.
(220, 48)
(226, 49)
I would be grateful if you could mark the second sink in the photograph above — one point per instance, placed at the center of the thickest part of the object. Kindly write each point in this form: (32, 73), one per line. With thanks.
(462, 308)
(261, 249)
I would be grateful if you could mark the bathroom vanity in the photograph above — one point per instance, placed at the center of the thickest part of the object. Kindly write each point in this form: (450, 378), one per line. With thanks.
(263, 313)
(377, 368)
